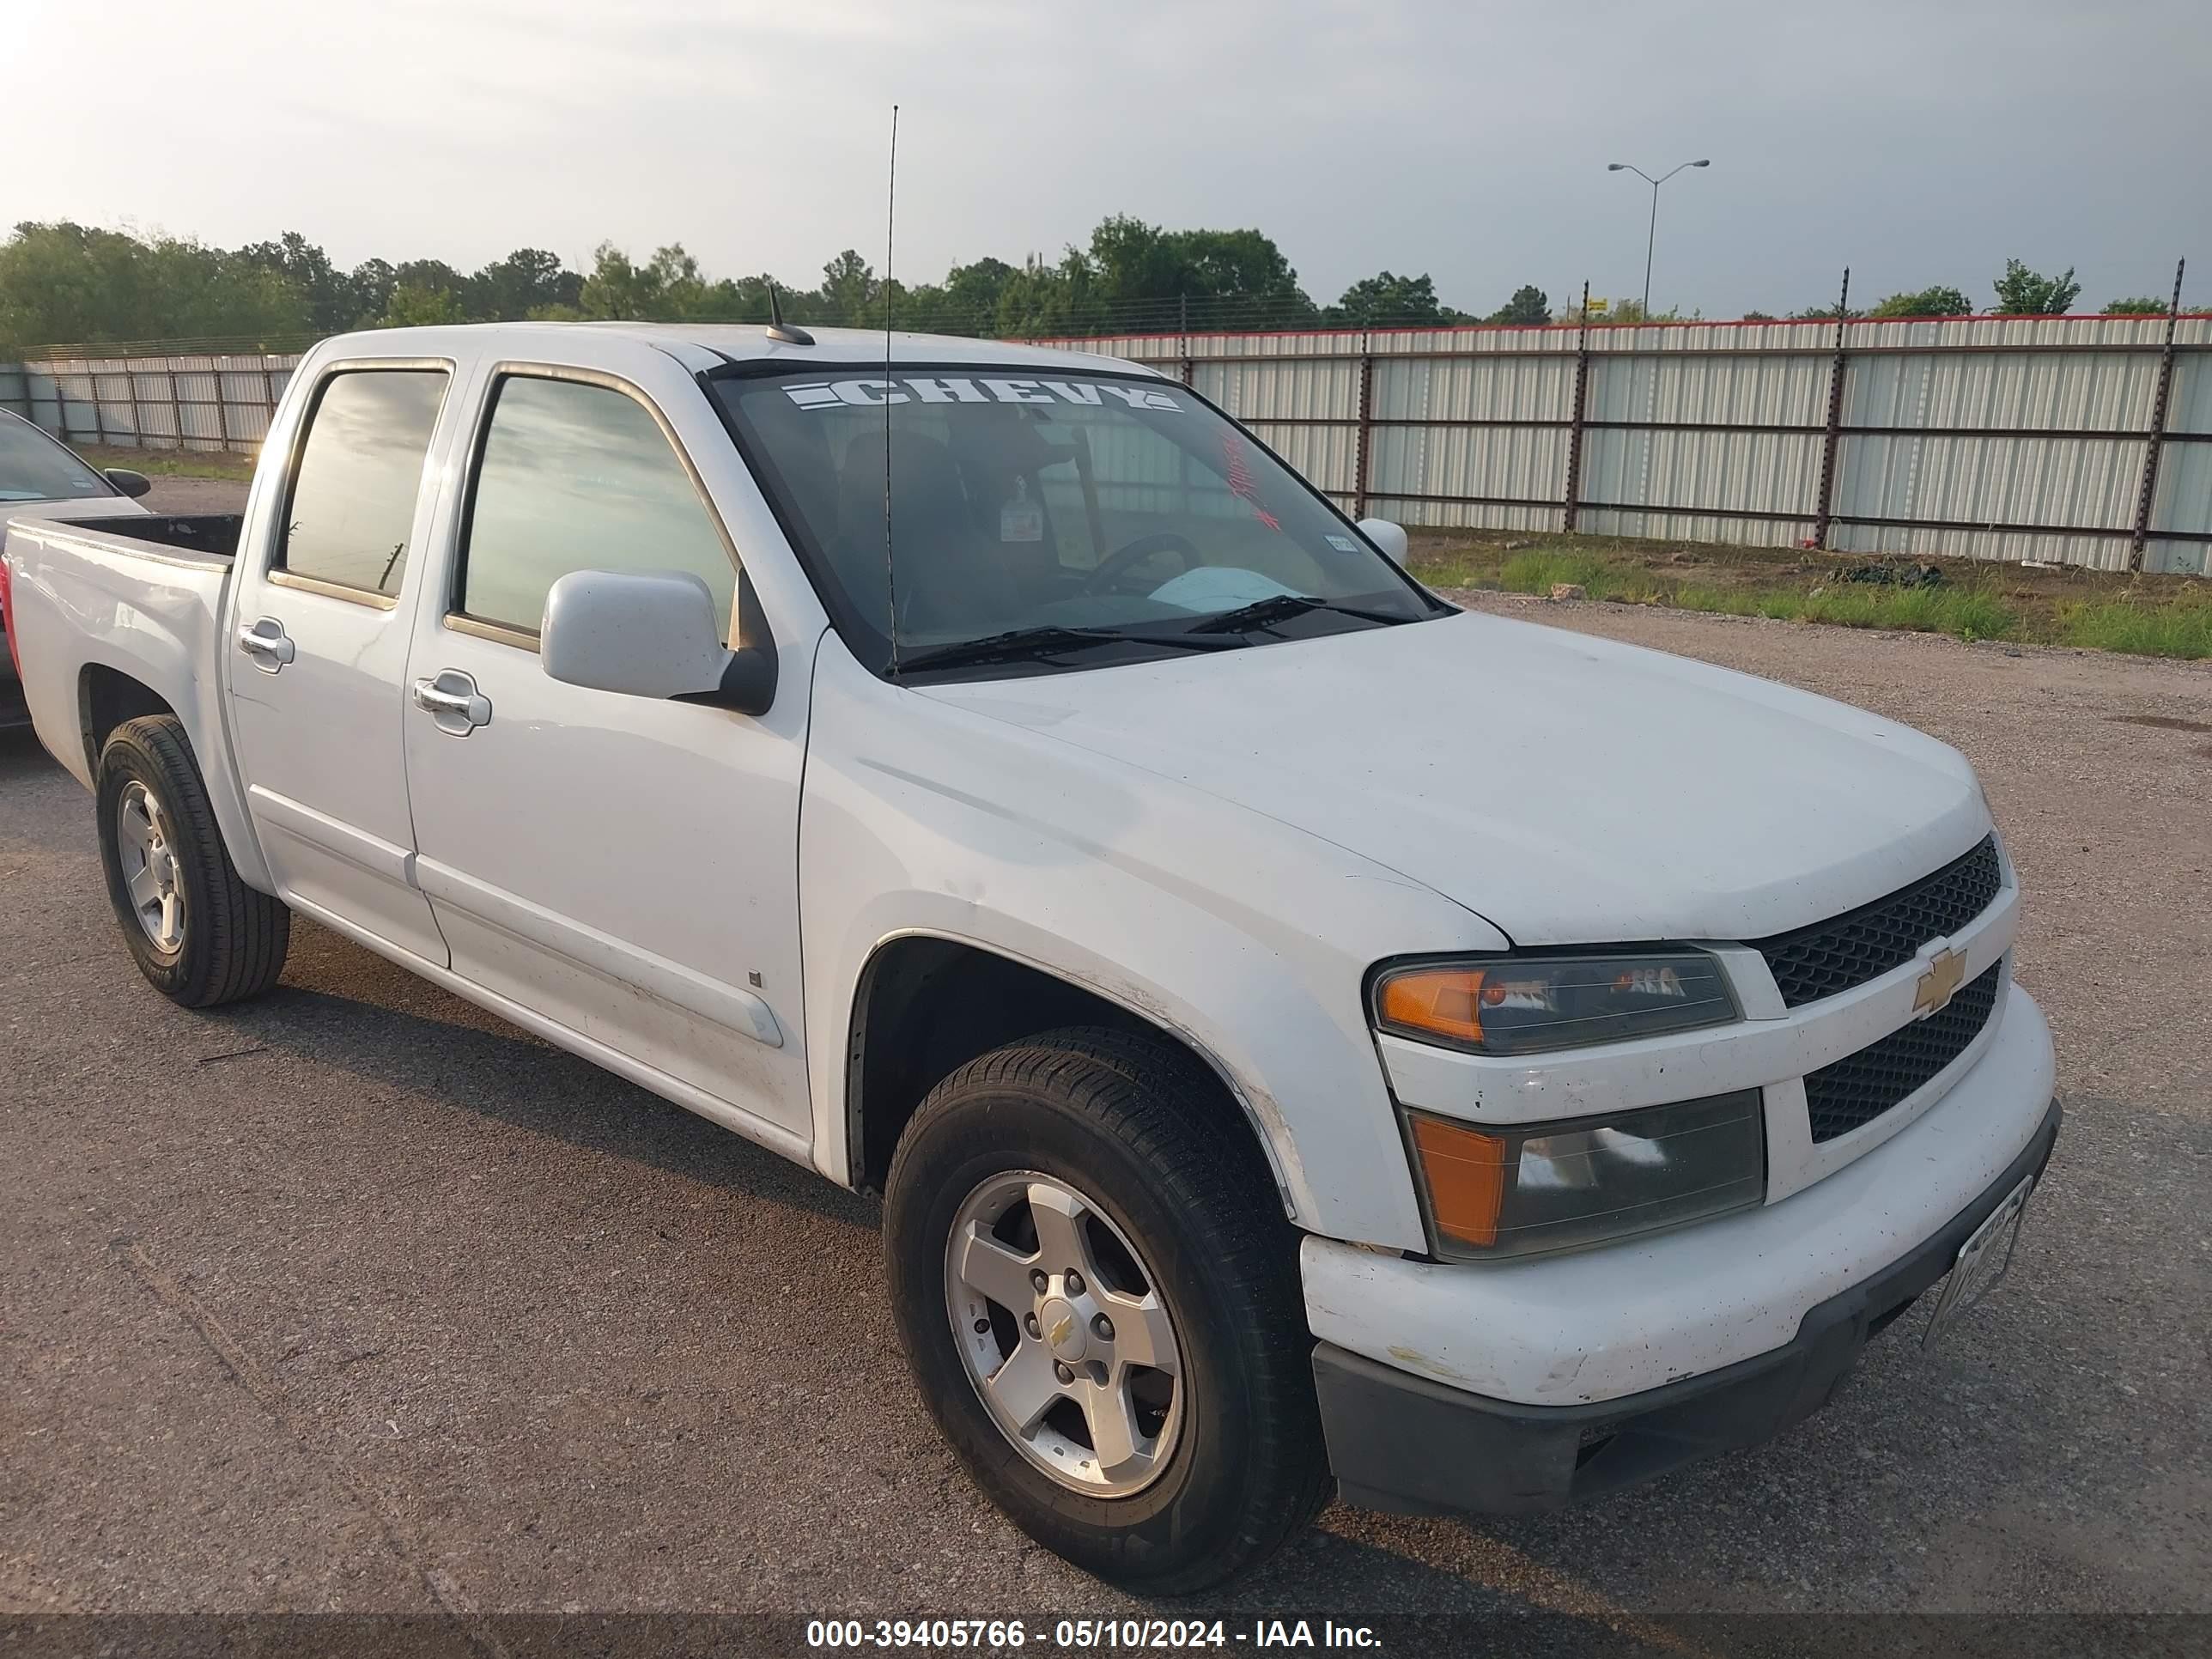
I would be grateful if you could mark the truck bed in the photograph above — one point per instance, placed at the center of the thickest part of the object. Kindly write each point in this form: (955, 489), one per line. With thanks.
(126, 610)
(209, 535)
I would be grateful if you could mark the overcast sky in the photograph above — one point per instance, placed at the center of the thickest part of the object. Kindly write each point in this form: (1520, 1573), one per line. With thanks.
(1919, 143)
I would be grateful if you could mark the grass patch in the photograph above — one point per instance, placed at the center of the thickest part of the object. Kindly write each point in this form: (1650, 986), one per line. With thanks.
(2180, 627)
(171, 462)
(1974, 599)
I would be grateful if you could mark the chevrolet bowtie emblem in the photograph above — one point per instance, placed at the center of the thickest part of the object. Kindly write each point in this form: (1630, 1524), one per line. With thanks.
(1058, 1334)
(1941, 980)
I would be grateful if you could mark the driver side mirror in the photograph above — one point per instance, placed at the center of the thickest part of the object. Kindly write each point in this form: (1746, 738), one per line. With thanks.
(132, 483)
(652, 633)
(1390, 538)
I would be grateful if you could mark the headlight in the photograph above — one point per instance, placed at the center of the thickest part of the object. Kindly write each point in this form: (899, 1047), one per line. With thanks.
(1526, 1004)
(1522, 1190)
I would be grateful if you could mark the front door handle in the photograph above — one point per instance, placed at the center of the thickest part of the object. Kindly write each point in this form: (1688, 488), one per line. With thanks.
(266, 642)
(454, 702)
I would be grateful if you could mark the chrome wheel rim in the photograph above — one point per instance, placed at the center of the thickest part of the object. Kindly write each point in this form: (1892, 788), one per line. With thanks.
(1063, 1329)
(150, 875)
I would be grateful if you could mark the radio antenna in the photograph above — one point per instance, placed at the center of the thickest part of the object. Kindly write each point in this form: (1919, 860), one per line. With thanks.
(891, 226)
(777, 328)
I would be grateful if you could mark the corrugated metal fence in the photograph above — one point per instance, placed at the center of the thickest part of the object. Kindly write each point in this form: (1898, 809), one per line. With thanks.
(205, 402)
(2080, 440)
(2083, 441)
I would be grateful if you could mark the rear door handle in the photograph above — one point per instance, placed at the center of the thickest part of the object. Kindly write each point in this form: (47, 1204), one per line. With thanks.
(454, 702)
(266, 642)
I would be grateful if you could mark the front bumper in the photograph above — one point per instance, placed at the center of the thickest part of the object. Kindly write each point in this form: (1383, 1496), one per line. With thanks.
(1401, 1443)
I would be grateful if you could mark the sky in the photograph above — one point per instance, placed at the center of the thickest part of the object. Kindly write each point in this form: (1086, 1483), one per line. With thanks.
(1917, 143)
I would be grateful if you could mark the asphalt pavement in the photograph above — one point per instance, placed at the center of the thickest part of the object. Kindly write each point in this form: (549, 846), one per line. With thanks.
(356, 1299)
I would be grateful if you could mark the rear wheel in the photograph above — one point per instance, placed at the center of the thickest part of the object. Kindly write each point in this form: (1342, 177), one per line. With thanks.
(1098, 1294)
(199, 934)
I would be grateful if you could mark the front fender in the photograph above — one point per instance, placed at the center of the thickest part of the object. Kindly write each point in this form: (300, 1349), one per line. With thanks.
(1246, 938)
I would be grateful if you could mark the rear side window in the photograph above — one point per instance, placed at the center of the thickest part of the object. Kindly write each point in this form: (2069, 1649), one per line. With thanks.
(580, 477)
(361, 469)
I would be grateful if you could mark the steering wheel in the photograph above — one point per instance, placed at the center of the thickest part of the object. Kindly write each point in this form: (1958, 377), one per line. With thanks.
(1118, 563)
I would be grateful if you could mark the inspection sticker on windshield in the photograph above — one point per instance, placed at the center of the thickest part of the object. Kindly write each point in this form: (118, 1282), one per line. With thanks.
(1344, 543)
(963, 389)
(1021, 519)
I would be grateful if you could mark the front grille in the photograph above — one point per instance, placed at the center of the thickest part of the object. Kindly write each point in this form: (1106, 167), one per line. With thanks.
(1859, 1088)
(1833, 955)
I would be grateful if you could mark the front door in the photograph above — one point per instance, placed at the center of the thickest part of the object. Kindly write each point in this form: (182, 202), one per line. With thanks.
(324, 623)
(625, 866)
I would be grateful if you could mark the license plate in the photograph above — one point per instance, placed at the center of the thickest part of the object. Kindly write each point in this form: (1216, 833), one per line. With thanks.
(1981, 1261)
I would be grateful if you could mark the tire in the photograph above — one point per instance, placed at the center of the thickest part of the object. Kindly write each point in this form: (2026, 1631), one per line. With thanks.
(1125, 1124)
(221, 941)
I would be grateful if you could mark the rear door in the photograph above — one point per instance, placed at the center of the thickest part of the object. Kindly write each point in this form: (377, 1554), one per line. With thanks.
(625, 866)
(318, 646)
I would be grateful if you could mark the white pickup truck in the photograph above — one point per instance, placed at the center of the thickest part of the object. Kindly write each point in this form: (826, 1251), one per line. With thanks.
(1301, 1031)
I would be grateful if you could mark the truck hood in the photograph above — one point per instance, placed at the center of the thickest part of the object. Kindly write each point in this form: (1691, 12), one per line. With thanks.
(1567, 789)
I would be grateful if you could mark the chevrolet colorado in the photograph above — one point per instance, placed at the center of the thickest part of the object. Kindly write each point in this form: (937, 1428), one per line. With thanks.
(1301, 1032)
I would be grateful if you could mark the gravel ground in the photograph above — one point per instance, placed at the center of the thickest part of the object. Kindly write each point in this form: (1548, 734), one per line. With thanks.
(182, 496)
(357, 1299)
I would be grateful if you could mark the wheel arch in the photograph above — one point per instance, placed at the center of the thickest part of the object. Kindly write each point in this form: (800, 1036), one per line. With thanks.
(926, 1003)
(106, 698)
(109, 695)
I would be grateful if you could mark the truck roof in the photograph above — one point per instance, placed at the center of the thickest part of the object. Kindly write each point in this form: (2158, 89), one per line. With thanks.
(701, 346)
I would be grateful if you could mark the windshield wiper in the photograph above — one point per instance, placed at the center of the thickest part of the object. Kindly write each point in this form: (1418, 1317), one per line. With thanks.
(1281, 607)
(1048, 640)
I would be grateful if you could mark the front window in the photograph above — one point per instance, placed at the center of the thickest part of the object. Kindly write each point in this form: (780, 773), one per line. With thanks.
(35, 468)
(1070, 519)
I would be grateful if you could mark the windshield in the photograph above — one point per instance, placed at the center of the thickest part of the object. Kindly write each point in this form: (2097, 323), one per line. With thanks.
(35, 468)
(1091, 515)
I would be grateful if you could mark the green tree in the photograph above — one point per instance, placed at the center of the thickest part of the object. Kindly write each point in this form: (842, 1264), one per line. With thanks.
(1386, 298)
(2024, 293)
(1939, 302)
(1757, 317)
(62, 282)
(1140, 276)
(2141, 306)
(1825, 314)
(526, 280)
(849, 293)
(325, 289)
(412, 306)
(1528, 305)
(370, 283)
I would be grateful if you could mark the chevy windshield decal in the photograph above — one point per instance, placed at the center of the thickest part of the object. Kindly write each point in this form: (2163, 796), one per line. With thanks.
(873, 394)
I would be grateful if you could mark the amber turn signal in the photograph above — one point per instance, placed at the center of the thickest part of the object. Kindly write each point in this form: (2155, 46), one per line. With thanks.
(1447, 1002)
(1466, 1175)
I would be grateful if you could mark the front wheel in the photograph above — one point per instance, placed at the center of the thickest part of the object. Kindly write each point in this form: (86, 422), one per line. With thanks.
(199, 934)
(1098, 1295)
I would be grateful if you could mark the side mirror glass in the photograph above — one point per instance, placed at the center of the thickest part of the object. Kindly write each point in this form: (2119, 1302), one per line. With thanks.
(132, 483)
(1390, 538)
(654, 633)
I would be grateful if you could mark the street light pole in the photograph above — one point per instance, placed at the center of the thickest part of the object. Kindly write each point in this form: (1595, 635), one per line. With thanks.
(1651, 239)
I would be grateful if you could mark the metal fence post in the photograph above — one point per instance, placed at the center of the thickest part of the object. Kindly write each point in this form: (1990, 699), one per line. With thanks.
(1182, 339)
(221, 411)
(1829, 445)
(176, 404)
(137, 425)
(92, 386)
(1362, 448)
(2158, 405)
(1575, 424)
